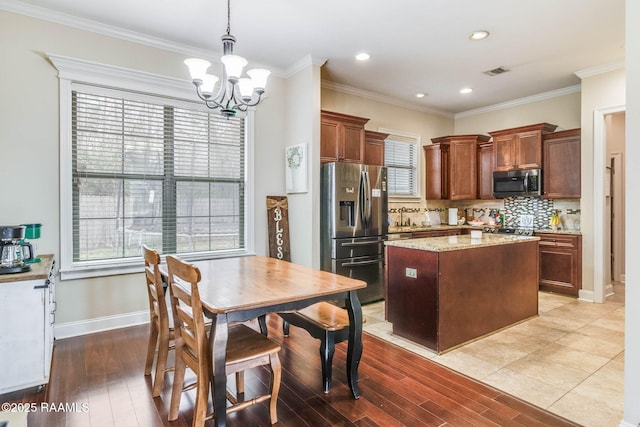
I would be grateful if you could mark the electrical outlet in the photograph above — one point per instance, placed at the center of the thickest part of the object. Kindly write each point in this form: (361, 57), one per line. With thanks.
(411, 272)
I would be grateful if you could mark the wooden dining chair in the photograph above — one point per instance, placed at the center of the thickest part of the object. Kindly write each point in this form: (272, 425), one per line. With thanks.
(246, 349)
(161, 335)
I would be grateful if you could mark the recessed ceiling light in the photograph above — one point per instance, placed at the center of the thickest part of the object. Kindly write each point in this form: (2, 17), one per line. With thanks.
(466, 90)
(420, 95)
(363, 56)
(479, 35)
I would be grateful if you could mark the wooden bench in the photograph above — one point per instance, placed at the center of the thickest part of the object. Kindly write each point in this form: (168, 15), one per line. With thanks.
(326, 322)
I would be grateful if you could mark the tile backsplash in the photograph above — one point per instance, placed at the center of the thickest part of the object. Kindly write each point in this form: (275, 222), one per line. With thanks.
(512, 208)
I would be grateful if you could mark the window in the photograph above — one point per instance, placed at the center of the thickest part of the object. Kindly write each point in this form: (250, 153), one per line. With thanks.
(401, 159)
(146, 168)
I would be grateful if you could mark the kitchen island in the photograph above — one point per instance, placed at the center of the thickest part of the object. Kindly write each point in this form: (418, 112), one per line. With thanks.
(445, 291)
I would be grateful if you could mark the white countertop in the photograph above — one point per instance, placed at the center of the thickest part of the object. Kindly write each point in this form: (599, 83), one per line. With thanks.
(459, 242)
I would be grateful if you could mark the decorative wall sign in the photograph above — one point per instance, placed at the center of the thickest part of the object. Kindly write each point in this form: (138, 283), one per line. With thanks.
(278, 220)
(296, 168)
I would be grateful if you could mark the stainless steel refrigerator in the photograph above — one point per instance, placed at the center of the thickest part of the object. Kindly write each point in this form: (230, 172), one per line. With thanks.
(354, 224)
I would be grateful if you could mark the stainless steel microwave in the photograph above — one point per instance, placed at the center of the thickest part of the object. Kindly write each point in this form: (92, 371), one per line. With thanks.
(517, 183)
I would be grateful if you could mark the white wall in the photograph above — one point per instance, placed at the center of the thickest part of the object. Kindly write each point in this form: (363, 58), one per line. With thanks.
(632, 297)
(29, 149)
(303, 127)
(599, 93)
(561, 109)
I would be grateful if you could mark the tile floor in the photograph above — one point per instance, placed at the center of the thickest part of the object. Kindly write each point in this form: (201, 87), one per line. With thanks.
(568, 360)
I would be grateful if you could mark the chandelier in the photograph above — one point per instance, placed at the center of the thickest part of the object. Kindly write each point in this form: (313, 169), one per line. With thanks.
(234, 93)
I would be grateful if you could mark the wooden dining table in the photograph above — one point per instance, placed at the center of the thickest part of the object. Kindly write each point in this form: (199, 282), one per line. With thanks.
(243, 288)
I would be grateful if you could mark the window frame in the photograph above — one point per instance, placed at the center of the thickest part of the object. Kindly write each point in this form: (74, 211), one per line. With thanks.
(418, 174)
(73, 72)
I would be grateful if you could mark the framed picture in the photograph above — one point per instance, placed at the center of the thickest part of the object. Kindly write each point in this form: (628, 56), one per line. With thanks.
(296, 168)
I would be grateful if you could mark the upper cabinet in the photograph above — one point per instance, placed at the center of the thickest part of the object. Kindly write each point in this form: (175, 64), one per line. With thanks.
(374, 147)
(519, 148)
(485, 170)
(341, 137)
(561, 174)
(452, 168)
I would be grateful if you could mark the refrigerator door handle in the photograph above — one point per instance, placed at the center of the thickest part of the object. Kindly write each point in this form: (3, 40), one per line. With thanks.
(359, 263)
(367, 198)
(367, 243)
(363, 199)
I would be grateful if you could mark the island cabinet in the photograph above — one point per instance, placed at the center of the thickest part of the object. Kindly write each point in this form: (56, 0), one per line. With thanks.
(374, 147)
(485, 170)
(560, 263)
(561, 175)
(519, 148)
(451, 167)
(341, 137)
(446, 291)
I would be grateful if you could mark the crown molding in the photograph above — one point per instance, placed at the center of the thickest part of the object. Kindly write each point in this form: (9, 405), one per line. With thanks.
(306, 62)
(338, 87)
(520, 101)
(49, 15)
(601, 69)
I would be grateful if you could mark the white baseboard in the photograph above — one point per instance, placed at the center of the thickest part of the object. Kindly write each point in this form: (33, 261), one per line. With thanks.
(99, 324)
(608, 290)
(586, 295)
(624, 423)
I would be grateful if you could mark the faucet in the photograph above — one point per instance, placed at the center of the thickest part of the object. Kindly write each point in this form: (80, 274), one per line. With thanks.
(402, 210)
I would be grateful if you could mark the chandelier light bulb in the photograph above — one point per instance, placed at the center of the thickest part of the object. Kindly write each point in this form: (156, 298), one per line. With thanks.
(259, 77)
(233, 64)
(208, 83)
(246, 88)
(197, 68)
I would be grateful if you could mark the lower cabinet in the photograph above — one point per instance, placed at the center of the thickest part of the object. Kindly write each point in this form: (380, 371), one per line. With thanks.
(27, 310)
(560, 263)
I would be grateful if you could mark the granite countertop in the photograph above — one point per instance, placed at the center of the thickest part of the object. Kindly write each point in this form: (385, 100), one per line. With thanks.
(454, 243)
(39, 271)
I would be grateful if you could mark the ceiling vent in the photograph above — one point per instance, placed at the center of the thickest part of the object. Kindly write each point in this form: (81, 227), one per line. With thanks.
(496, 71)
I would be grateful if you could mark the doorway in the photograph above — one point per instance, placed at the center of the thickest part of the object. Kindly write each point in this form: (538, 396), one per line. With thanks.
(607, 140)
(615, 146)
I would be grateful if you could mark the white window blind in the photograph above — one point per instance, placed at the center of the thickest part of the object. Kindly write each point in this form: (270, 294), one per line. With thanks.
(401, 159)
(152, 170)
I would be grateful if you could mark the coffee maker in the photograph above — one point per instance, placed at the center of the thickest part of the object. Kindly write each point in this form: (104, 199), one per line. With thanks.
(14, 252)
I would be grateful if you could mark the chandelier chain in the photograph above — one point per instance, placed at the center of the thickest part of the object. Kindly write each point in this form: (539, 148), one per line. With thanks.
(228, 17)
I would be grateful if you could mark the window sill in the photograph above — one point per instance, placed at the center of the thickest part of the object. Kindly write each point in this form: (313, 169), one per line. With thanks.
(132, 265)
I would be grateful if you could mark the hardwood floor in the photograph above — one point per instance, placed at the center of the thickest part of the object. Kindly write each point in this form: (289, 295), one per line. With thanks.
(104, 373)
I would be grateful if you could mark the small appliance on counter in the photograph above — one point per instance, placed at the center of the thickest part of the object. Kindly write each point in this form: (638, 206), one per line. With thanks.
(12, 250)
(453, 216)
(31, 232)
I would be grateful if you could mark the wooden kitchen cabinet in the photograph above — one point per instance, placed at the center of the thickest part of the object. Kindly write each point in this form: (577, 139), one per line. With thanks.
(374, 147)
(519, 148)
(561, 164)
(341, 137)
(485, 170)
(560, 263)
(451, 167)
(436, 160)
